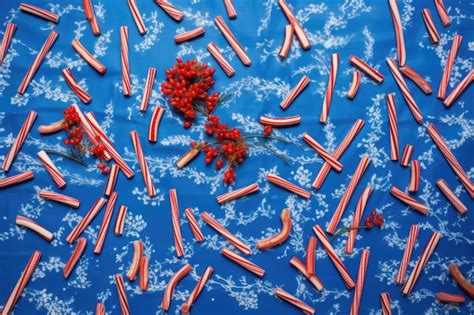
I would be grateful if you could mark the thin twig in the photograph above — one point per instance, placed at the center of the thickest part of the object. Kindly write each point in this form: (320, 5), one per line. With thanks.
(66, 155)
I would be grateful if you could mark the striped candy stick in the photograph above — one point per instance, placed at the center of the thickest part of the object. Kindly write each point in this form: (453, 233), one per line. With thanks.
(193, 224)
(35, 227)
(294, 300)
(187, 157)
(409, 201)
(393, 126)
(290, 97)
(280, 122)
(299, 31)
(199, 286)
(87, 126)
(111, 179)
(155, 123)
(444, 297)
(19, 140)
(88, 57)
(315, 281)
(329, 89)
(122, 295)
(126, 84)
(355, 84)
(461, 280)
(430, 26)
(51, 128)
(352, 235)
(135, 264)
(178, 239)
(137, 16)
(459, 89)
(386, 303)
(39, 12)
(54, 196)
(75, 87)
(168, 294)
(359, 287)
(279, 237)
(360, 64)
(442, 12)
(414, 177)
(229, 36)
(86, 220)
(53, 171)
(120, 220)
(245, 263)
(144, 276)
(335, 164)
(277, 180)
(417, 79)
(75, 256)
(397, 25)
(238, 193)
(451, 196)
(90, 16)
(150, 187)
(148, 89)
(189, 35)
(311, 255)
(171, 10)
(407, 153)
(100, 309)
(287, 40)
(104, 227)
(229, 7)
(7, 37)
(409, 245)
(448, 66)
(16, 179)
(220, 59)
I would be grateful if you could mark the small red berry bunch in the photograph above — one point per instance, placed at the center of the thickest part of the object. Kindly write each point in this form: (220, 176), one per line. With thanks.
(375, 219)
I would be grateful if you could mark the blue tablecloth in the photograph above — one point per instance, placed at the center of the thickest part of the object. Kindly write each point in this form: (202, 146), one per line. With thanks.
(359, 27)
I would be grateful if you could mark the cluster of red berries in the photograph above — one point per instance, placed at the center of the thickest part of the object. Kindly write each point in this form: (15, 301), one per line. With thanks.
(186, 87)
(375, 219)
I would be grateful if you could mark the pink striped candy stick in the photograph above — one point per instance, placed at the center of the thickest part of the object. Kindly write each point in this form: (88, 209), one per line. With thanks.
(120, 220)
(386, 303)
(299, 31)
(397, 25)
(168, 294)
(280, 122)
(417, 79)
(315, 281)
(7, 37)
(155, 123)
(368, 70)
(90, 16)
(393, 126)
(409, 245)
(430, 26)
(189, 35)
(87, 126)
(137, 16)
(335, 164)
(229, 7)
(359, 287)
(150, 187)
(311, 255)
(126, 85)
(451, 196)
(178, 239)
(88, 57)
(99, 243)
(171, 10)
(199, 286)
(86, 220)
(409, 201)
(111, 179)
(355, 84)
(16, 179)
(187, 157)
(48, 164)
(148, 89)
(54, 196)
(448, 66)
(459, 89)
(294, 300)
(100, 309)
(279, 237)
(35, 227)
(442, 12)
(220, 59)
(277, 180)
(245, 263)
(290, 97)
(406, 157)
(238, 193)
(329, 89)
(287, 40)
(194, 225)
(39, 12)
(135, 265)
(444, 297)
(75, 87)
(122, 295)
(414, 177)
(359, 211)
(144, 276)
(229, 36)
(75, 256)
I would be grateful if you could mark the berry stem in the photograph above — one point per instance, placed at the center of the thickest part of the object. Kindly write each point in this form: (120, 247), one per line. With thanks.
(346, 229)
(66, 155)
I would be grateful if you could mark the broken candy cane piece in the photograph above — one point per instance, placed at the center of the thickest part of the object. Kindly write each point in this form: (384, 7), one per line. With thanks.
(53, 171)
(35, 227)
(335, 164)
(311, 254)
(189, 35)
(238, 193)
(150, 186)
(111, 179)
(329, 89)
(280, 122)
(355, 84)
(397, 25)
(229, 36)
(448, 66)
(194, 225)
(199, 287)
(86, 220)
(126, 84)
(229, 7)
(386, 303)
(414, 176)
(417, 79)
(75, 87)
(461, 281)
(173, 282)
(290, 97)
(75, 256)
(147, 90)
(16, 179)
(293, 300)
(135, 265)
(220, 59)
(409, 245)
(443, 13)
(88, 57)
(7, 37)
(187, 157)
(444, 297)
(277, 180)
(430, 26)
(295, 262)
(122, 295)
(137, 16)
(104, 227)
(368, 70)
(299, 31)
(39, 12)
(287, 40)
(171, 10)
(393, 126)
(155, 123)
(409, 201)
(245, 263)
(144, 277)
(54, 196)
(352, 235)
(51, 128)
(364, 261)
(451, 196)
(120, 220)
(459, 89)
(407, 153)
(281, 236)
(178, 239)
(90, 16)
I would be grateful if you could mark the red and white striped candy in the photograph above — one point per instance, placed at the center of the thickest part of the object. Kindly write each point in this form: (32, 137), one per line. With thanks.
(406, 157)
(104, 227)
(187, 36)
(421, 263)
(397, 25)
(37, 62)
(100, 309)
(368, 70)
(346, 277)
(290, 97)
(90, 16)
(451, 196)
(168, 294)
(430, 26)
(412, 106)
(287, 40)
(48, 164)
(451, 159)
(150, 187)
(294, 300)
(444, 297)
(39, 12)
(171, 10)
(199, 286)
(86, 220)
(220, 59)
(75, 87)
(359, 287)
(409, 245)
(120, 220)
(193, 224)
(311, 254)
(187, 157)
(277, 180)
(178, 239)
(126, 84)
(51, 128)
(7, 37)
(335, 164)
(122, 295)
(19, 140)
(155, 123)
(359, 172)
(245, 263)
(35, 227)
(86, 125)
(54, 196)
(393, 126)
(144, 276)
(355, 84)
(315, 281)
(279, 237)
(351, 134)
(409, 201)
(414, 176)
(329, 89)
(280, 122)
(229, 7)
(111, 179)
(443, 13)
(137, 16)
(459, 89)
(148, 89)
(135, 265)
(448, 66)
(417, 79)
(238, 193)
(206, 217)
(16, 179)
(229, 36)
(386, 303)
(22, 282)
(88, 57)
(75, 256)
(299, 31)
(351, 237)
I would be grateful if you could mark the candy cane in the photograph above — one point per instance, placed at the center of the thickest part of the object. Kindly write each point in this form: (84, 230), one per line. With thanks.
(245, 263)
(287, 40)
(460, 280)
(311, 254)
(355, 84)
(450, 158)
(220, 59)
(346, 277)
(193, 224)
(88, 57)
(75, 87)
(168, 294)
(417, 79)
(335, 164)
(329, 89)
(448, 66)
(229, 6)
(451, 196)
(346, 197)
(120, 220)
(229, 36)
(86, 220)
(16, 179)
(37, 62)
(171, 10)
(386, 303)
(155, 123)
(280, 122)
(54, 196)
(150, 187)
(75, 256)
(51, 128)
(359, 287)
(409, 201)
(299, 31)
(187, 36)
(414, 176)
(126, 85)
(137, 16)
(22, 282)
(35, 227)
(122, 295)
(443, 13)
(281, 236)
(104, 227)
(294, 93)
(409, 245)
(199, 286)
(351, 134)
(406, 157)
(100, 309)
(397, 25)
(277, 180)
(19, 140)
(393, 126)
(90, 16)
(315, 281)
(111, 179)
(7, 37)
(459, 89)
(351, 237)
(206, 217)
(178, 239)
(238, 193)
(365, 68)
(87, 126)
(39, 12)
(186, 158)
(421, 263)
(430, 26)
(144, 277)
(48, 164)
(148, 89)
(444, 297)
(135, 265)
(285, 296)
